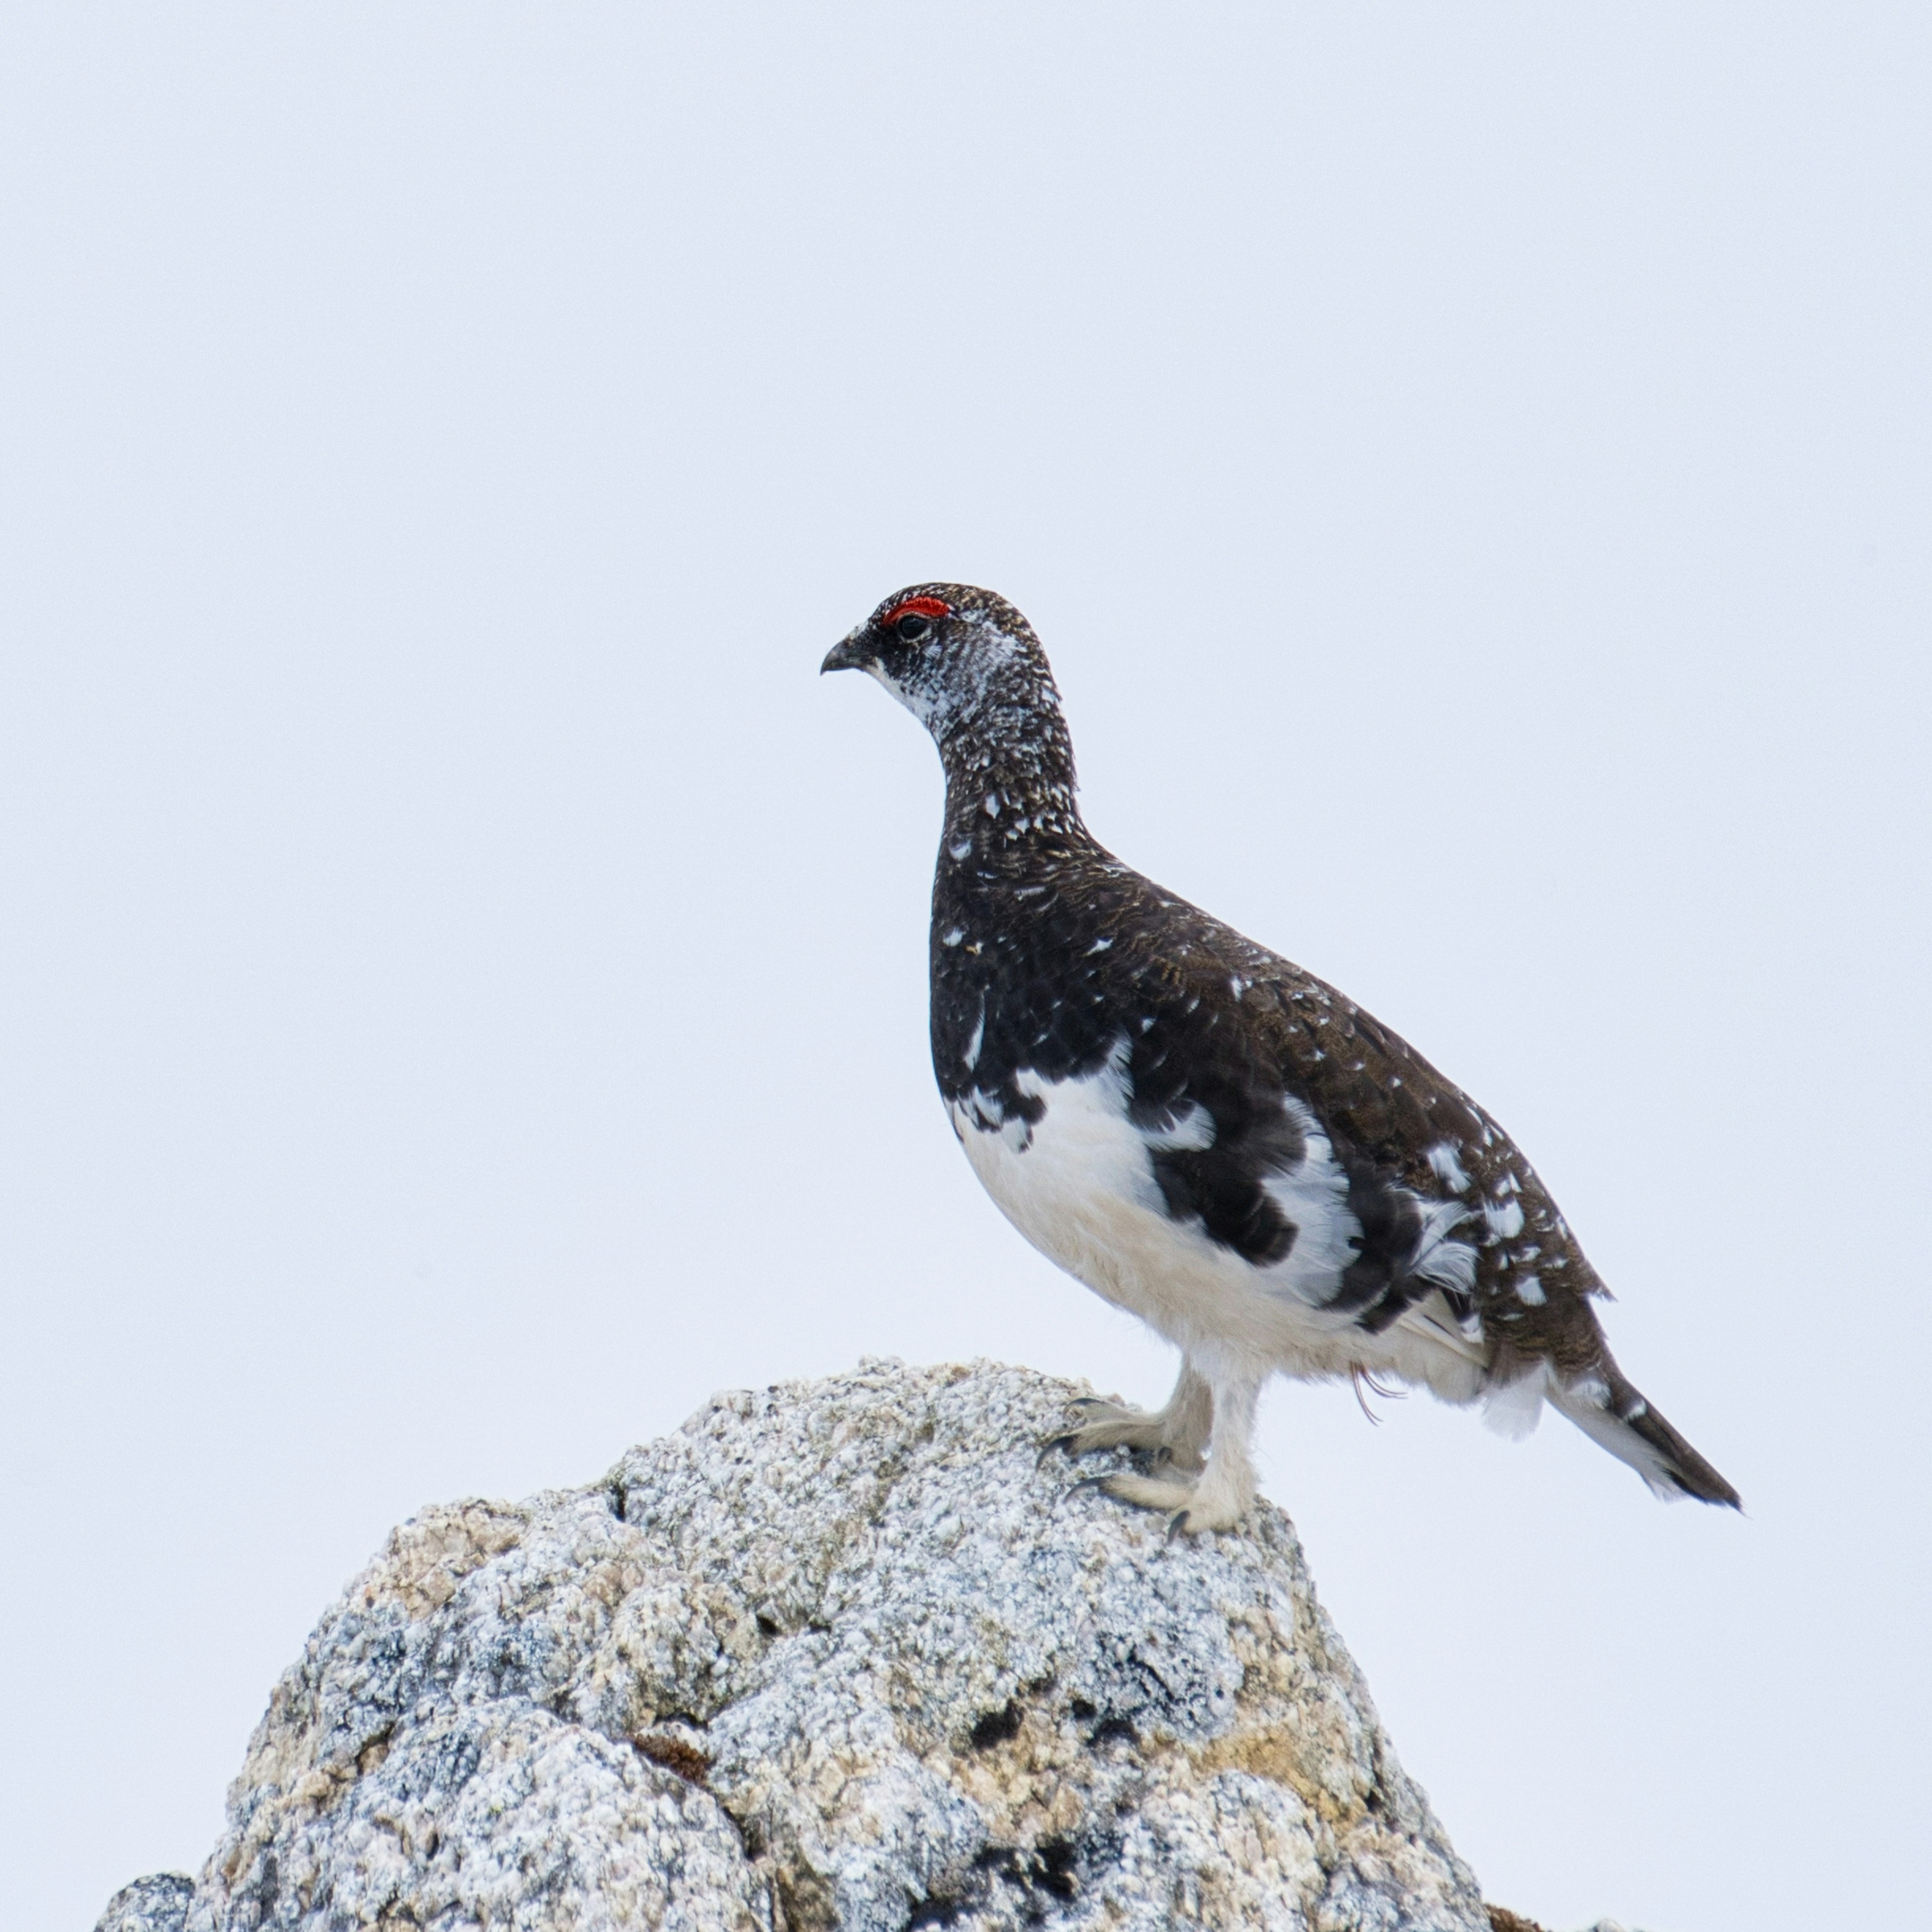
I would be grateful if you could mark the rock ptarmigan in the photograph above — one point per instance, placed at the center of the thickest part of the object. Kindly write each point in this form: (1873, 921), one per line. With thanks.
(1207, 1135)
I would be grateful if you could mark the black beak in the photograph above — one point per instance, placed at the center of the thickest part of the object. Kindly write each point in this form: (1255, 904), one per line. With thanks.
(849, 653)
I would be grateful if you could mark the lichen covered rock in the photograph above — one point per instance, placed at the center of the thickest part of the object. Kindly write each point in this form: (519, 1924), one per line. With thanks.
(836, 1654)
(156, 1904)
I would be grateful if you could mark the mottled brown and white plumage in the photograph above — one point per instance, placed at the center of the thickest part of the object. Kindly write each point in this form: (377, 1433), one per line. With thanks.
(1207, 1135)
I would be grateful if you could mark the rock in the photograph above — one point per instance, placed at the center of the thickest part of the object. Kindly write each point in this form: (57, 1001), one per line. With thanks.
(157, 1904)
(1503, 1921)
(836, 1654)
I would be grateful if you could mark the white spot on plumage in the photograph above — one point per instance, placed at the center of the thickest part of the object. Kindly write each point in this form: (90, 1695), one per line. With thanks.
(1505, 1220)
(1438, 1258)
(1447, 1168)
(1192, 1132)
(1099, 946)
(953, 936)
(1529, 1290)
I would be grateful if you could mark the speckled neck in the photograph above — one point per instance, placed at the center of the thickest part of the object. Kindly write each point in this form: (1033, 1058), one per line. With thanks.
(1009, 775)
(1005, 796)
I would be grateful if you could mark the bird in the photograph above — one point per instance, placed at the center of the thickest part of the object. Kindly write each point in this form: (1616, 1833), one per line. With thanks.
(1208, 1136)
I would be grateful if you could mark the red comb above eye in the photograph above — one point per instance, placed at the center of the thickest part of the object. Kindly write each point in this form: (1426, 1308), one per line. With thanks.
(934, 607)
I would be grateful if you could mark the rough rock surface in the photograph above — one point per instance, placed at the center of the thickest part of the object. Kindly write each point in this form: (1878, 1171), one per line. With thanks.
(157, 1904)
(836, 1654)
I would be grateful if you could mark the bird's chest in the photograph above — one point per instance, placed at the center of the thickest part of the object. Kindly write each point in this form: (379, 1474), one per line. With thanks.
(1100, 1119)
(1028, 1049)
(1068, 1168)
(1017, 988)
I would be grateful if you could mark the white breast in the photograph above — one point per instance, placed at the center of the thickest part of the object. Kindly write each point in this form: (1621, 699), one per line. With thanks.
(1079, 1184)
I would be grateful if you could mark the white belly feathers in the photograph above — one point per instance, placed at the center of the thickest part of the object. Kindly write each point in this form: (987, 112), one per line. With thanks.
(1079, 1184)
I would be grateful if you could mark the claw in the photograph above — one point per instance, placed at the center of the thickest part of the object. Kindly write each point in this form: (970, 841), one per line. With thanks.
(1092, 1409)
(1052, 1443)
(1177, 1525)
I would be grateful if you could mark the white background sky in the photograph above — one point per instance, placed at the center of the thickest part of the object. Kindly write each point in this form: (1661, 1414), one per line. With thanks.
(462, 974)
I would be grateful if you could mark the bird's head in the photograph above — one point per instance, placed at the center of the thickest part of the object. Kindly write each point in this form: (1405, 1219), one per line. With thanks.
(963, 661)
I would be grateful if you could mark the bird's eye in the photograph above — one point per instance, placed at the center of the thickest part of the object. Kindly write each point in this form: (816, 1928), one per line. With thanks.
(913, 618)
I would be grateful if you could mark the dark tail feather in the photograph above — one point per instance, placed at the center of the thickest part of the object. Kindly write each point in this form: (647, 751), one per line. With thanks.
(1692, 1475)
(1610, 1410)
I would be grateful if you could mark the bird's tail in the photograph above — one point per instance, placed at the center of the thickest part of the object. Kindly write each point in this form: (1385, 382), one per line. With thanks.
(1606, 1406)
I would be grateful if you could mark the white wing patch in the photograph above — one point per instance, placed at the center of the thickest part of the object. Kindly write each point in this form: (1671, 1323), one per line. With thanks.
(1314, 1197)
(1448, 1263)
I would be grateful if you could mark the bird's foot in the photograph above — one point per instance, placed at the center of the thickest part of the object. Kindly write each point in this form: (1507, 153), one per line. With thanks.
(1106, 1425)
(1190, 1508)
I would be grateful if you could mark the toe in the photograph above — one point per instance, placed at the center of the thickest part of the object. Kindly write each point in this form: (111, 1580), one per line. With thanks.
(1146, 1493)
(1201, 1519)
(1092, 1409)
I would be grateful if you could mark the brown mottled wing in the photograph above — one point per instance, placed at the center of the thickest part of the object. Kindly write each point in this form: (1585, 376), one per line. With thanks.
(1397, 1124)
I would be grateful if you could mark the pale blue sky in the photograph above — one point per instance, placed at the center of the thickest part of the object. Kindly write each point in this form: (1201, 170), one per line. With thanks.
(462, 975)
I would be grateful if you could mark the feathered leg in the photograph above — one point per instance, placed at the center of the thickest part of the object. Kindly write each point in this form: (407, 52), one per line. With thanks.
(1226, 1486)
(1180, 1429)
